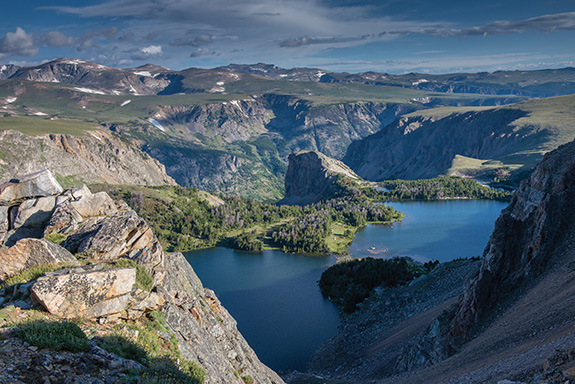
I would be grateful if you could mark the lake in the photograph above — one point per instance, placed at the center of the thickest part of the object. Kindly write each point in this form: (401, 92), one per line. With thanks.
(275, 298)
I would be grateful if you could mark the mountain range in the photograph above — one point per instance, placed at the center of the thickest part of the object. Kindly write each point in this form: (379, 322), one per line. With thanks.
(231, 129)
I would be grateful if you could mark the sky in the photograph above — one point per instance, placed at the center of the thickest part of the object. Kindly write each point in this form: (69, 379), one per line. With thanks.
(393, 36)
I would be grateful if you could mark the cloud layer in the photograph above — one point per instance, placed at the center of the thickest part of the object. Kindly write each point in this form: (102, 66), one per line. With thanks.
(190, 32)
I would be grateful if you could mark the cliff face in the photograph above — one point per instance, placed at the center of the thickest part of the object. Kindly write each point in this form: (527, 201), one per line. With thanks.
(241, 146)
(513, 319)
(102, 231)
(96, 157)
(527, 239)
(423, 146)
(312, 176)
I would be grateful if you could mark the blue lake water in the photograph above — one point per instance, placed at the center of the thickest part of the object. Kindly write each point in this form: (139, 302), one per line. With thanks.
(275, 298)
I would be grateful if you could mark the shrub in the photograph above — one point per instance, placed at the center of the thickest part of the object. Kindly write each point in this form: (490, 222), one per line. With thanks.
(56, 238)
(247, 242)
(123, 347)
(63, 335)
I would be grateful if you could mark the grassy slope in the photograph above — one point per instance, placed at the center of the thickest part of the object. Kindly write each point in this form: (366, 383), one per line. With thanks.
(551, 122)
(38, 126)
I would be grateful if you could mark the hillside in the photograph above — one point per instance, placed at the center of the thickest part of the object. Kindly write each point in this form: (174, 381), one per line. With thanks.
(477, 142)
(76, 153)
(73, 255)
(218, 130)
(511, 321)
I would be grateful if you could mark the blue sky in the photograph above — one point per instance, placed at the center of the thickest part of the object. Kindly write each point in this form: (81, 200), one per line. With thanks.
(394, 36)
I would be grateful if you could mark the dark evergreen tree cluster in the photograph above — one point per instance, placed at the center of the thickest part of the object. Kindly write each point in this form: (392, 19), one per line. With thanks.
(349, 283)
(248, 242)
(434, 189)
(307, 233)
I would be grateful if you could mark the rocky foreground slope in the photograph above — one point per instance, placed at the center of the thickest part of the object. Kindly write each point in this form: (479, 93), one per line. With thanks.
(513, 321)
(104, 247)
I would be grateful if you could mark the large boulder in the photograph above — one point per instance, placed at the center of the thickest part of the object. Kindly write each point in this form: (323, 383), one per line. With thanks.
(39, 184)
(97, 204)
(33, 212)
(122, 234)
(85, 293)
(28, 253)
(80, 205)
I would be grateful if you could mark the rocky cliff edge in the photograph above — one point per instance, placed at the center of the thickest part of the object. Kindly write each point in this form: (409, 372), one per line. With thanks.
(312, 176)
(103, 247)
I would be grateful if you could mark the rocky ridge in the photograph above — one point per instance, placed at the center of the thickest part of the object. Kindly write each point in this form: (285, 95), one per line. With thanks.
(96, 156)
(104, 232)
(513, 321)
(425, 145)
(312, 176)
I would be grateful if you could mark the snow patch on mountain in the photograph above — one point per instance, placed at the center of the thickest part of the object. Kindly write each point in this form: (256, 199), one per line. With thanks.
(88, 90)
(157, 124)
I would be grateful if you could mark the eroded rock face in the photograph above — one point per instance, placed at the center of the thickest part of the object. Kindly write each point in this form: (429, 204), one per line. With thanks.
(122, 234)
(525, 235)
(77, 293)
(311, 177)
(27, 253)
(206, 331)
(30, 186)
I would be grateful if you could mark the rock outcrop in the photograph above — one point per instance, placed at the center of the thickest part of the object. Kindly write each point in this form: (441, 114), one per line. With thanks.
(73, 294)
(95, 157)
(110, 235)
(312, 176)
(37, 184)
(28, 253)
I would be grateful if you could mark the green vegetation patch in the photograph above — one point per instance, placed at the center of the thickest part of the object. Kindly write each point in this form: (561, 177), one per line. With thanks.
(144, 279)
(162, 358)
(436, 189)
(349, 283)
(36, 126)
(57, 335)
(32, 273)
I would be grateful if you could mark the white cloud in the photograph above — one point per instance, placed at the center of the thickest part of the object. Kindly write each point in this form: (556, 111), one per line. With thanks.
(18, 43)
(147, 52)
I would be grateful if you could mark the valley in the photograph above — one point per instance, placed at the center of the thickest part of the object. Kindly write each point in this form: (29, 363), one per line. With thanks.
(262, 175)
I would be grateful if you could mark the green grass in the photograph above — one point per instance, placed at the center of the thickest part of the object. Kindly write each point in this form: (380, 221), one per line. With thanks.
(32, 273)
(163, 359)
(341, 237)
(56, 238)
(56, 335)
(37, 126)
(144, 280)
